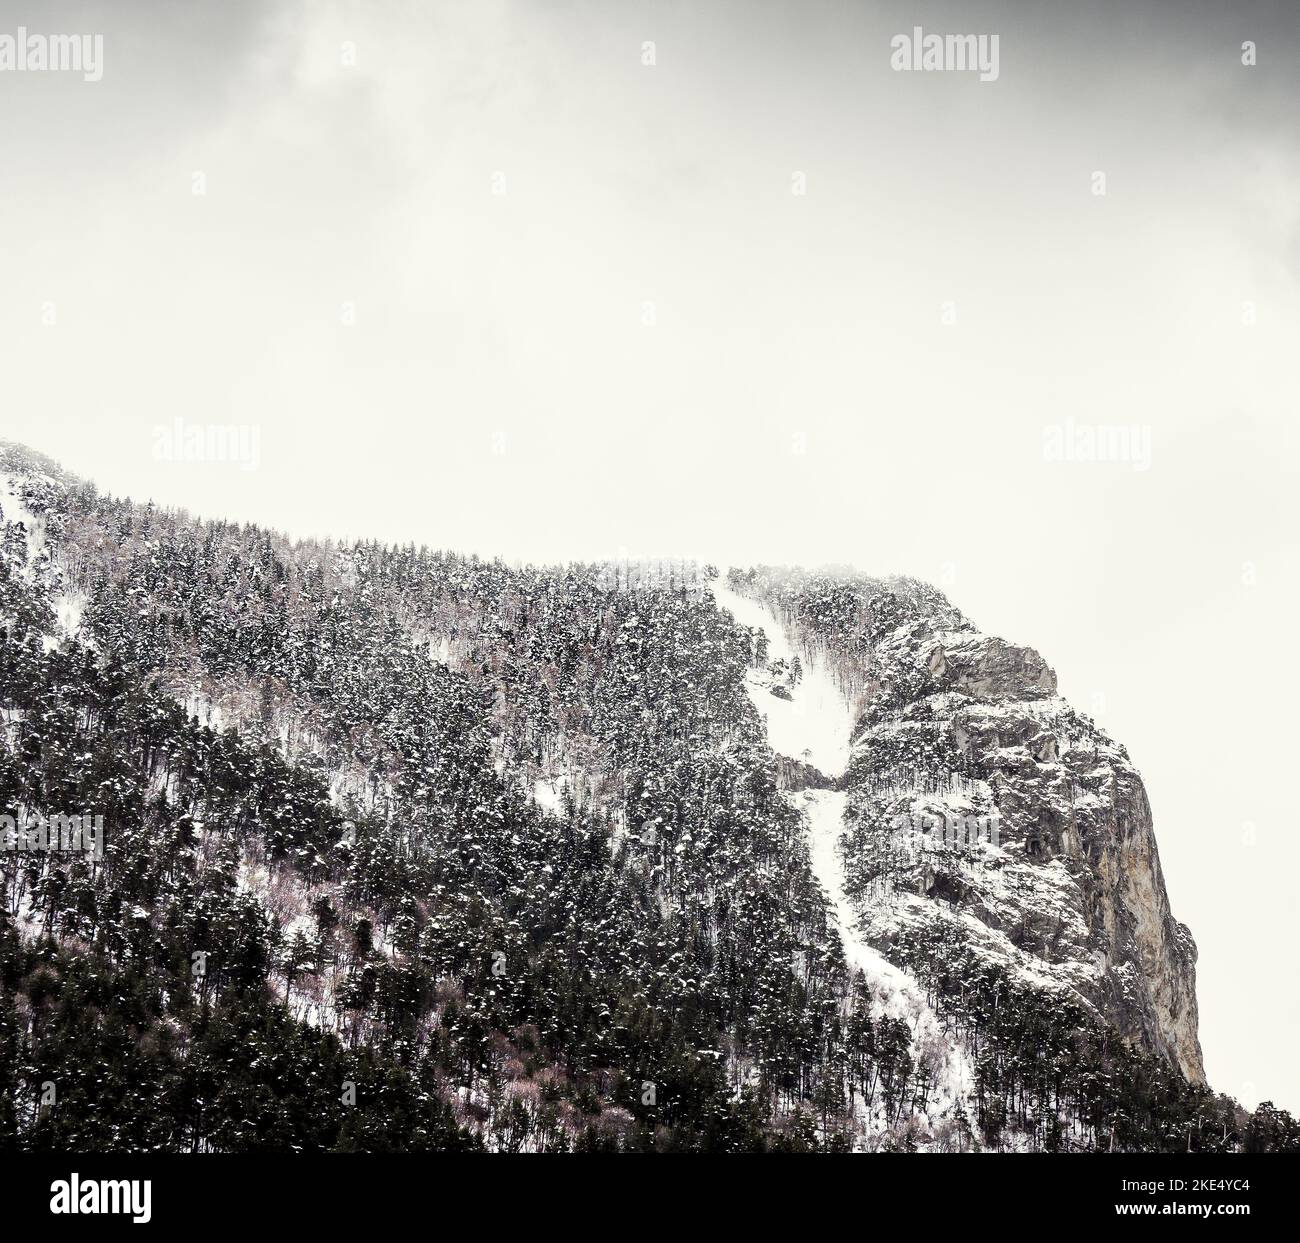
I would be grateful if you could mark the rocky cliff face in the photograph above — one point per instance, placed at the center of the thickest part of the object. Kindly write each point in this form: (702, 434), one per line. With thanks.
(978, 797)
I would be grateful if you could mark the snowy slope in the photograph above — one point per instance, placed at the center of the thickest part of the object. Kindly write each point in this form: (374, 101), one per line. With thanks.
(38, 568)
(815, 725)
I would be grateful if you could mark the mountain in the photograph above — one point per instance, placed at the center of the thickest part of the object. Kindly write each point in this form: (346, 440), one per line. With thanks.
(956, 730)
(407, 850)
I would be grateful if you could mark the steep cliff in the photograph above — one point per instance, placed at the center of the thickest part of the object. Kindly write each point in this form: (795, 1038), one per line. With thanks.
(982, 803)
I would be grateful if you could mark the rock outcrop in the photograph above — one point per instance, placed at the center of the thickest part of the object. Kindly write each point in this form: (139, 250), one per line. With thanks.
(979, 797)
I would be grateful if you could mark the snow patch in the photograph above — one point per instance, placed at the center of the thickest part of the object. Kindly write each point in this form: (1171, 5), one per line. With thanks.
(815, 723)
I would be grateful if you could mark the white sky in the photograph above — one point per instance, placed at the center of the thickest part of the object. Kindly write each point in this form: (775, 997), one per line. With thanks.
(780, 320)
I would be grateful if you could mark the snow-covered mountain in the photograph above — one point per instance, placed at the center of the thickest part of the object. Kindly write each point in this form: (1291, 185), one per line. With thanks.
(973, 788)
(599, 856)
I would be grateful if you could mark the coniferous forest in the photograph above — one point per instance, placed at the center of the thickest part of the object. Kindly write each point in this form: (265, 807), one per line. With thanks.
(334, 910)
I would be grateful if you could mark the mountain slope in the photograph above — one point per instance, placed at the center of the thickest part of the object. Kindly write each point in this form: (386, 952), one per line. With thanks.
(975, 788)
(525, 842)
(810, 718)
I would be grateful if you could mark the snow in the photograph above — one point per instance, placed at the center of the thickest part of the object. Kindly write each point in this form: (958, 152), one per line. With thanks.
(893, 991)
(824, 812)
(816, 726)
(815, 723)
(14, 509)
(68, 606)
(548, 792)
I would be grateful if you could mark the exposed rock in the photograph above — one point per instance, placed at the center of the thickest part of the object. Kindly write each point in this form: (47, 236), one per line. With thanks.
(1044, 849)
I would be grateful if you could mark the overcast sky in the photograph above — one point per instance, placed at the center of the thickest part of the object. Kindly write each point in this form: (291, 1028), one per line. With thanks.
(478, 276)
